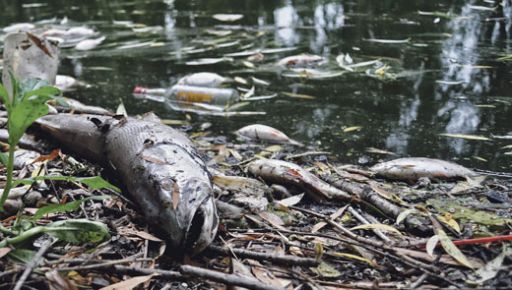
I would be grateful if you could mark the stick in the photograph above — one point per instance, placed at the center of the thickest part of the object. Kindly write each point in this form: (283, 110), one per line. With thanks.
(277, 259)
(187, 271)
(228, 279)
(33, 263)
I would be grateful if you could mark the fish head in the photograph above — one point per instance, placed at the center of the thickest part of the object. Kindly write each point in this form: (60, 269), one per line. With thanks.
(186, 212)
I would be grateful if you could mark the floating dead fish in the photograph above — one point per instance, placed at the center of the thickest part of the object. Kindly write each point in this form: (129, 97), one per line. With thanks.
(312, 74)
(265, 133)
(65, 83)
(413, 168)
(158, 165)
(204, 79)
(227, 17)
(89, 44)
(301, 60)
(289, 173)
(18, 27)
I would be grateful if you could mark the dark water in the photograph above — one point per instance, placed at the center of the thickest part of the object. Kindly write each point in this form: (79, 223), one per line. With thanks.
(447, 78)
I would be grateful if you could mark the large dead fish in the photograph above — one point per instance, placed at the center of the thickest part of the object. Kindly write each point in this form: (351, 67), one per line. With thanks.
(158, 165)
(413, 168)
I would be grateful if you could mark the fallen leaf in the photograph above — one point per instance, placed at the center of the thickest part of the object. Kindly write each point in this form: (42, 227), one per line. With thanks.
(129, 284)
(452, 250)
(382, 227)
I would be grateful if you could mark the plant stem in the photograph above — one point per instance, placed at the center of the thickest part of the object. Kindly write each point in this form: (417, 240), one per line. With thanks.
(8, 183)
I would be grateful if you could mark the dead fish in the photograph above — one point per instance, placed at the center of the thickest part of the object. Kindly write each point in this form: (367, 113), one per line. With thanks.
(289, 173)
(18, 27)
(158, 165)
(301, 60)
(72, 105)
(89, 44)
(266, 133)
(65, 83)
(413, 168)
(204, 79)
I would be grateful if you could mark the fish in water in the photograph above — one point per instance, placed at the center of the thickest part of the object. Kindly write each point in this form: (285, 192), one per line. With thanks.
(265, 133)
(413, 168)
(204, 79)
(158, 165)
(301, 60)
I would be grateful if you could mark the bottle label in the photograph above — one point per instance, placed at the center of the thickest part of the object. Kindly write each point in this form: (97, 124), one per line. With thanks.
(194, 97)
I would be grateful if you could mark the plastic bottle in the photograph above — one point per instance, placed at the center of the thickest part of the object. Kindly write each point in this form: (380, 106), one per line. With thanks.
(193, 94)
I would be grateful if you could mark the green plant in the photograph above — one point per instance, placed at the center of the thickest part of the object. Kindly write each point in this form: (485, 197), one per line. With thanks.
(27, 104)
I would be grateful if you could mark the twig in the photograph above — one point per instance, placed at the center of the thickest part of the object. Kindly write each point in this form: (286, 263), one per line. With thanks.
(102, 265)
(277, 259)
(33, 263)
(187, 271)
(228, 279)
(365, 221)
(419, 281)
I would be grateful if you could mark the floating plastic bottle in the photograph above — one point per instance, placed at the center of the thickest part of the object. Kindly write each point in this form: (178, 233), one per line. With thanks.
(193, 94)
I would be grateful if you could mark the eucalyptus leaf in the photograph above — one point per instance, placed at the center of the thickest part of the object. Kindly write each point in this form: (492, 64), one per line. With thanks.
(67, 207)
(21, 255)
(78, 231)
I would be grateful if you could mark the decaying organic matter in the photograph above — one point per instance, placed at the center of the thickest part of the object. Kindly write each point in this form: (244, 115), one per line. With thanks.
(289, 173)
(158, 165)
(413, 168)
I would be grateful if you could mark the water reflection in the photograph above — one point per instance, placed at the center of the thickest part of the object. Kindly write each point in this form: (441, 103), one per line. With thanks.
(286, 21)
(326, 17)
(461, 77)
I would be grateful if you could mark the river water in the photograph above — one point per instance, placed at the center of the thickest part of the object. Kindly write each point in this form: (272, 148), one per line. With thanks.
(441, 68)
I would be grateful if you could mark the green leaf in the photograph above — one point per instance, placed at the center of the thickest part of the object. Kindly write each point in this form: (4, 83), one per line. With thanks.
(95, 182)
(3, 158)
(23, 114)
(21, 255)
(5, 96)
(46, 91)
(78, 231)
(67, 207)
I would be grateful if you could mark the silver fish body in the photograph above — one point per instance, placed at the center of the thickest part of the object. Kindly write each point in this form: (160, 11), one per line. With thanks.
(158, 165)
(413, 168)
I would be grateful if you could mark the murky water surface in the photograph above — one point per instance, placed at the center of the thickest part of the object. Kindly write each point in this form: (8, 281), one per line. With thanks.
(442, 68)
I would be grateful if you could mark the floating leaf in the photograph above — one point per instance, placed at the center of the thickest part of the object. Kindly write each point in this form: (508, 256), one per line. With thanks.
(382, 227)
(379, 151)
(466, 136)
(299, 96)
(351, 129)
(388, 41)
(452, 250)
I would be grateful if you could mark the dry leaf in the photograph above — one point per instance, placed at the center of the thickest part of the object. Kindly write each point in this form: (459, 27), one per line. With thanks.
(129, 284)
